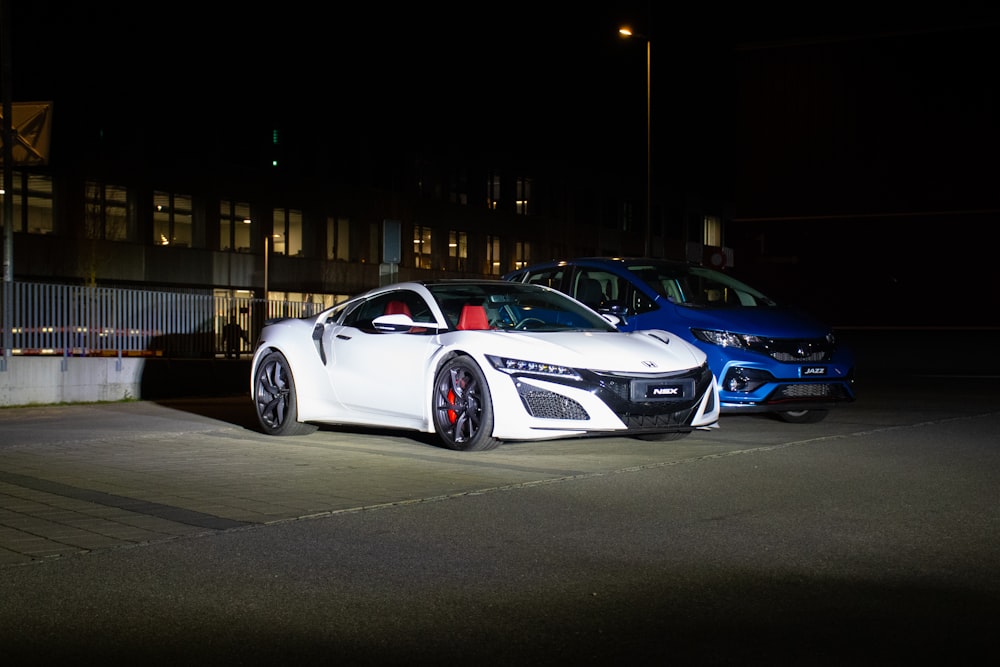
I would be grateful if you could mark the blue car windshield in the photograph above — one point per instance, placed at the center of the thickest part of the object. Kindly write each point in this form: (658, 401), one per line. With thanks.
(699, 287)
(517, 306)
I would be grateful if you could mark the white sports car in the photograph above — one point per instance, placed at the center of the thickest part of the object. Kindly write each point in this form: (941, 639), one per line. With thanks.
(478, 362)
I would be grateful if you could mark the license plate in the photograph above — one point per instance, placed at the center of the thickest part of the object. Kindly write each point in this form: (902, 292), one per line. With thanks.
(812, 371)
(665, 390)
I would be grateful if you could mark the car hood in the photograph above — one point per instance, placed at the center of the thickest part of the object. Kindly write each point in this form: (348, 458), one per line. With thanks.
(772, 322)
(634, 352)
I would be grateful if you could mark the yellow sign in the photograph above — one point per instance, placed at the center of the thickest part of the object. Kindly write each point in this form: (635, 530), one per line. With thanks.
(31, 127)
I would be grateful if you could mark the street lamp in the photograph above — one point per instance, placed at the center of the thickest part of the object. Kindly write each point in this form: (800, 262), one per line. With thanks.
(627, 32)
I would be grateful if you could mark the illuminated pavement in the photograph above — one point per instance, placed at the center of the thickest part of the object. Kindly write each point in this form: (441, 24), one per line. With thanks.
(78, 479)
(75, 479)
(175, 533)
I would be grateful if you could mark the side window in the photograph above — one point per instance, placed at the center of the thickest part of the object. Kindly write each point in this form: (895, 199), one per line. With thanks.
(619, 292)
(336, 313)
(548, 277)
(668, 287)
(597, 289)
(399, 301)
(419, 310)
(362, 316)
(639, 302)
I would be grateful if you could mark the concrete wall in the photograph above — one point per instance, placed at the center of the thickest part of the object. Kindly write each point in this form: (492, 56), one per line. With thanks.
(29, 380)
(42, 380)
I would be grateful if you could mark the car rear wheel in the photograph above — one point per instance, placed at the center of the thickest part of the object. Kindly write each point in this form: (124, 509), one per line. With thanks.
(802, 416)
(275, 399)
(463, 408)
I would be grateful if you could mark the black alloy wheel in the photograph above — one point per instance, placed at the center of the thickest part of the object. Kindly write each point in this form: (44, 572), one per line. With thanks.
(275, 399)
(463, 409)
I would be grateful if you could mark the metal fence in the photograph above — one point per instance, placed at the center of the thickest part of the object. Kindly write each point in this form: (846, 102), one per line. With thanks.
(72, 320)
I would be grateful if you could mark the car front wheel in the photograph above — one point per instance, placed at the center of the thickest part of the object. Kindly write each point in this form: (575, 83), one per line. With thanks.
(275, 399)
(463, 409)
(802, 416)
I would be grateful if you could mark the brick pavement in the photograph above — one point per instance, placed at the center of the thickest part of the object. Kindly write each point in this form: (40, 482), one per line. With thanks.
(67, 492)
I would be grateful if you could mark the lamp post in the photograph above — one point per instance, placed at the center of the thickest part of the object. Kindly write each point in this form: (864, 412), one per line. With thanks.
(7, 216)
(627, 32)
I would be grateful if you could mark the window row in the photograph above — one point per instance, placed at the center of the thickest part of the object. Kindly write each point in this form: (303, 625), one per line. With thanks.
(110, 214)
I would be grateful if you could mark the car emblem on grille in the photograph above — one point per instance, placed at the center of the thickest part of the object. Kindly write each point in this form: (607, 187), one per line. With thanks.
(649, 364)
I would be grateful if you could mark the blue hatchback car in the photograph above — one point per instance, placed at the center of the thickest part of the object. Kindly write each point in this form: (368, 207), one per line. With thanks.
(765, 356)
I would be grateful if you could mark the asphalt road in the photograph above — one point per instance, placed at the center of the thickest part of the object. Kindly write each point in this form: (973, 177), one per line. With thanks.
(176, 533)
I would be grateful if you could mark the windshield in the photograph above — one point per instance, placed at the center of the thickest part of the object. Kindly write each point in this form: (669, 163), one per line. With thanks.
(517, 306)
(698, 286)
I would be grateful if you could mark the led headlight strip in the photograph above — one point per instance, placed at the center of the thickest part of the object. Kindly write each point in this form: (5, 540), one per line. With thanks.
(509, 365)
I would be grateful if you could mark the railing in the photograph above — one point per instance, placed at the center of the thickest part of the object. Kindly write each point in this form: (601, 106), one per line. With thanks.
(72, 320)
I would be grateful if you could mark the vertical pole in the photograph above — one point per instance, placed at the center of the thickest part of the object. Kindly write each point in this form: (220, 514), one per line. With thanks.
(8, 183)
(649, 152)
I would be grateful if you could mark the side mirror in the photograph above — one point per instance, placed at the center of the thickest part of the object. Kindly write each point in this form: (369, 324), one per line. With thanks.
(395, 323)
(616, 309)
(401, 323)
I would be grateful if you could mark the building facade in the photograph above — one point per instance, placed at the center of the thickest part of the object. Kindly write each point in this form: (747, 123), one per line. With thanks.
(295, 222)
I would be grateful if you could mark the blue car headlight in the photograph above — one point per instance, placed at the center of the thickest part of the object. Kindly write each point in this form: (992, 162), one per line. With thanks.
(726, 339)
(509, 365)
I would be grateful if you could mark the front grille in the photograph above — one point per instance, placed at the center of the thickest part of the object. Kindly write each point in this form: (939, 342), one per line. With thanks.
(644, 402)
(636, 388)
(794, 358)
(809, 391)
(631, 400)
(620, 387)
(548, 405)
(641, 422)
(795, 350)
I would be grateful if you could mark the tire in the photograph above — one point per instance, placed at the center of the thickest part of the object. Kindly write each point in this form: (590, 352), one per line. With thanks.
(663, 437)
(463, 408)
(275, 400)
(802, 416)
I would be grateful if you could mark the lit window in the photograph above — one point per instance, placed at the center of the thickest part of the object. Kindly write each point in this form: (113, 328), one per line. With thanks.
(422, 247)
(234, 226)
(32, 201)
(493, 192)
(458, 250)
(288, 232)
(713, 231)
(523, 195)
(493, 266)
(522, 254)
(172, 219)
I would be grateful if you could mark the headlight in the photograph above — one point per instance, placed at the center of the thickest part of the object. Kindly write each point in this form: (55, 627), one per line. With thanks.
(509, 365)
(726, 339)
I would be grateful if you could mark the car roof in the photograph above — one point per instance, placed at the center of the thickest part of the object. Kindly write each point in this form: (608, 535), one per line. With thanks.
(450, 282)
(620, 263)
(625, 261)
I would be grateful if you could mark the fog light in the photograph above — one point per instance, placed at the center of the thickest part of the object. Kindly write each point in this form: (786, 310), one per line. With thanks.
(745, 379)
(735, 380)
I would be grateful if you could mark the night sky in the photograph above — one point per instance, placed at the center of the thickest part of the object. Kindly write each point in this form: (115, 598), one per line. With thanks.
(399, 70)
(886, 90)
(861, 114)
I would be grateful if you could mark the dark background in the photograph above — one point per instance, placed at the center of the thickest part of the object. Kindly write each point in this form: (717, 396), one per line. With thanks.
(854, 148)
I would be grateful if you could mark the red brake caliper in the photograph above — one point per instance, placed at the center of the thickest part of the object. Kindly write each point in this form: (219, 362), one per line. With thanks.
(452, 415)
